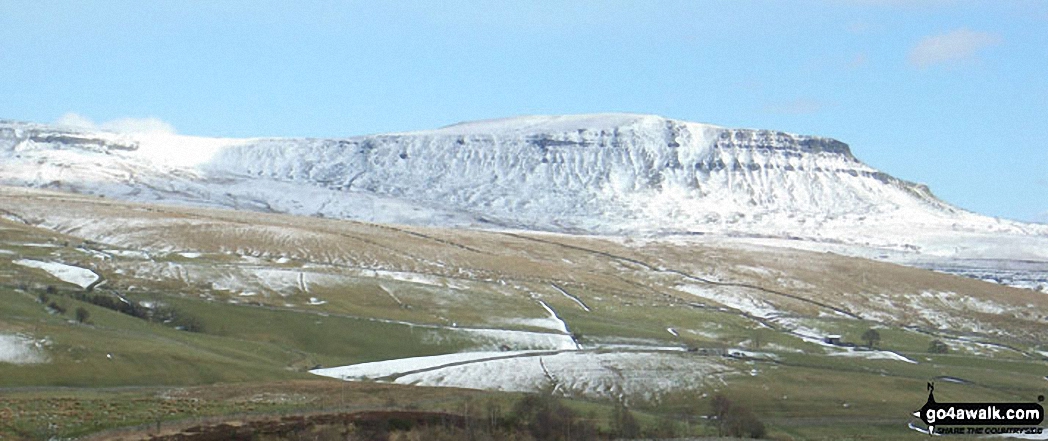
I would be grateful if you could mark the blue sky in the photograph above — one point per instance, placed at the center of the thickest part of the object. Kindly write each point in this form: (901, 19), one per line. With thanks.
(953, 94)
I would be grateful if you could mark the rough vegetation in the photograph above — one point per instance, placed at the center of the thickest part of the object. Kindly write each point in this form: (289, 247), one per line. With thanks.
(271, 297)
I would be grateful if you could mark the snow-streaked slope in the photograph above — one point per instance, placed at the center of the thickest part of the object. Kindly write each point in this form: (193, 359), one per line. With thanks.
(19, 349)
(603, 173)
(636, 374)
(81, 277)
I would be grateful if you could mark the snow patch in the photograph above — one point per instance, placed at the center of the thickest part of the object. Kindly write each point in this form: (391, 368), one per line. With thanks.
(128, 253)
(736, 299)
(560, 326)
(380, 369)
(636, 375)
(19, 349)
(495, 338)
(81, 277)
(873, 355)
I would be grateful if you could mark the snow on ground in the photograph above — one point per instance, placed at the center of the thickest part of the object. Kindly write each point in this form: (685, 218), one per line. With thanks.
(128, 253)
(964, 344)
(278, 280)
(381, 369)
(804, 332)
(599, 185)
(736, 352)
(935, 308)
(873, 355)
(562, 327)
(1015, 261)
(955, 301)
(494, 338)
(644, 375)
(18, 349)
(81, 277)
(553, 322)
(737, 299)
(96, 254)
(422, 279)
(229, 282)
(589, 171)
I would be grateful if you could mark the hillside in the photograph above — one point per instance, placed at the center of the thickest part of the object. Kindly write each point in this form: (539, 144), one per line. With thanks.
(605, 173)
(605, 258)
(269, 296)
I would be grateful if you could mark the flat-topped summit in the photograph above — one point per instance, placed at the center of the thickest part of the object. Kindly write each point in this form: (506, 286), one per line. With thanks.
(597, 173)
(557, 124)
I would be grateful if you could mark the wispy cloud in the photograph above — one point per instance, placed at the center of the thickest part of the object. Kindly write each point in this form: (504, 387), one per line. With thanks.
(121, 125)
(956, 46)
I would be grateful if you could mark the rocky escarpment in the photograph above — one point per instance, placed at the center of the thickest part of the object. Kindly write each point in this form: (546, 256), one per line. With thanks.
(22, 136)
(593, 172)
(603, 173)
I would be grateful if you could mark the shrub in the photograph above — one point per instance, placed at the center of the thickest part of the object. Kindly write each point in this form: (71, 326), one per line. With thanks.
(735, 420)
(938, 347)
(623, 423)
(547, 419)
(82, 315)
(871, 337)
(162, 314)
(665, 427)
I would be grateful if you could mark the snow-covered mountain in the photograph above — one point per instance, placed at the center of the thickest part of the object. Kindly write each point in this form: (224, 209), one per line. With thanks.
(602, 174)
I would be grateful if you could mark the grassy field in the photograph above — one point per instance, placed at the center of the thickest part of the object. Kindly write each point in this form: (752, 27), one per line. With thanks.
(269, 297)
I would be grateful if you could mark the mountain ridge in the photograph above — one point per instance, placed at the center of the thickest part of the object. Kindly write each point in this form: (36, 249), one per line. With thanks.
(595, 173)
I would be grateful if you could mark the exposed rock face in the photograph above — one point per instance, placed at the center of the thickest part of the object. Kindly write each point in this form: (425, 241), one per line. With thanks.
(600, 173)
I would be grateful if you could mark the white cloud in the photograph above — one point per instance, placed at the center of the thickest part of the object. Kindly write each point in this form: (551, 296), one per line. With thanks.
(121, 125)
(138, 125)
(75, 120)
(955, 46)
